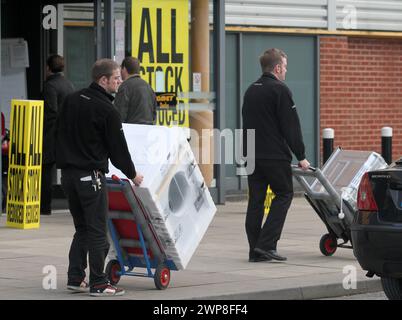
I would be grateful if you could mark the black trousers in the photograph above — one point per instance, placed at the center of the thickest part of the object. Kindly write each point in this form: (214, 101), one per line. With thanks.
(277, 174)
(88, 206)
(46, 189)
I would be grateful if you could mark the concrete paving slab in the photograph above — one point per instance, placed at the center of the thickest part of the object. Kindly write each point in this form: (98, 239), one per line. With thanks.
(219, 268)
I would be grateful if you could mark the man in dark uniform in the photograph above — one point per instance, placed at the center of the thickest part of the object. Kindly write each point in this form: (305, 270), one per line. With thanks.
(88, 133)
(135, 100)
(269, 109)
(55, 89)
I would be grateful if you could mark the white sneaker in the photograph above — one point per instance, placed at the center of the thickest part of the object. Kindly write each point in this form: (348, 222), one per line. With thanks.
(105, 290)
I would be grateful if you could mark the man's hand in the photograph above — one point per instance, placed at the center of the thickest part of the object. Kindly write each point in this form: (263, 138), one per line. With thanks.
(304, 164)
(138, 179)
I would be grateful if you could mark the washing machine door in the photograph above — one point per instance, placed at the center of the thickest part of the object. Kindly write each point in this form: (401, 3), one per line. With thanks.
(178, 194)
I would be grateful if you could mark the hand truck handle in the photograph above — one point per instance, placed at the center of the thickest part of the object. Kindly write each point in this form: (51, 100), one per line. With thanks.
(296, 166)
(116, 178)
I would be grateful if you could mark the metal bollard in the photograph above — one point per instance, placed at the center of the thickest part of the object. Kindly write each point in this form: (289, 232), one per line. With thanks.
(328, 135)
(386, 144)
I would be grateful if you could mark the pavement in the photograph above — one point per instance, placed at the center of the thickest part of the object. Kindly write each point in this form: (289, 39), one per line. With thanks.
(33, 263)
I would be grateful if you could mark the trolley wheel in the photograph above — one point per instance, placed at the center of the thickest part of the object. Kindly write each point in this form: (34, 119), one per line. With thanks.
(112, 269)
(162, 277)
(328, 244)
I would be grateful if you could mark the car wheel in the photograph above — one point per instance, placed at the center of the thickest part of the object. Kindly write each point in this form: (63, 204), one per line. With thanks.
(392, 288)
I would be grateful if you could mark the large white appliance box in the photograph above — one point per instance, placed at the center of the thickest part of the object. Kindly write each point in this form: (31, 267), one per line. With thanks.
(173, 191)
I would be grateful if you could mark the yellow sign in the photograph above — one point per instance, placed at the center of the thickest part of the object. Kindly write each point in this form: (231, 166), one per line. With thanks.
(25, 161)
(160, 42)
(268, 200)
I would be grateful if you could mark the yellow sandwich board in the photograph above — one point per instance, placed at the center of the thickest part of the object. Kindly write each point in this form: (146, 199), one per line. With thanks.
(160, 41)
(25, 161)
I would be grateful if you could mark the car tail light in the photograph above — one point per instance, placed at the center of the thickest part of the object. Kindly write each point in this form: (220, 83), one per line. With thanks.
(365, 197)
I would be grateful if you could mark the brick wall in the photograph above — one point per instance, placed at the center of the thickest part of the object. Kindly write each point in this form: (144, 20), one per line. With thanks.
(361, 91)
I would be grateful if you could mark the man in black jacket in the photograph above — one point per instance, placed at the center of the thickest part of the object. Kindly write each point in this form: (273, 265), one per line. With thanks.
(135, 100)
(269, 109)
(55, 89)
(88, 133)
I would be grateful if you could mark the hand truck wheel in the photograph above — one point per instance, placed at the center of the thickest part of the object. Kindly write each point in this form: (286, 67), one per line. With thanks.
(113, 270)
(162, 277)
(328, 244)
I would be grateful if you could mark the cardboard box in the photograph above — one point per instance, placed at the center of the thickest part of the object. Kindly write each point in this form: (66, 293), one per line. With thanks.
(173, 191)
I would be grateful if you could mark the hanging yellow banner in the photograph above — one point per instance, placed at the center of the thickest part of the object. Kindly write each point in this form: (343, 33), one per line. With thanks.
(25, 161)
(160, 42)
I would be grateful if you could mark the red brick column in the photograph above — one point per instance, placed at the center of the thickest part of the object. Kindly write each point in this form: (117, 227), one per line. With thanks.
(361, 91)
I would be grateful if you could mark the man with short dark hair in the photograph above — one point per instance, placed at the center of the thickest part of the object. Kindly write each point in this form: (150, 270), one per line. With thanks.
(135, 100)
(268, 108)
(55, 89)
(88, 133)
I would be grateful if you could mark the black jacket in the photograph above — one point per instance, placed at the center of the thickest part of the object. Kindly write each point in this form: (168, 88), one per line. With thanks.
(268, 108)
(89, 132)
(55, 90)
(136, 101)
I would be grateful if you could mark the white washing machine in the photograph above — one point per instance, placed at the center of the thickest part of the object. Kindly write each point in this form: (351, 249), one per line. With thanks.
(173, 191)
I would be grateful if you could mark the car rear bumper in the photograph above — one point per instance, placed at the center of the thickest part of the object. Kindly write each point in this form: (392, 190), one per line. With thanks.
(378, 248)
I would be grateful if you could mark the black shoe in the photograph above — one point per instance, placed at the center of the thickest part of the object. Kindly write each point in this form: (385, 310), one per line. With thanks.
(259, 259)
(82, 286)
(273, 254)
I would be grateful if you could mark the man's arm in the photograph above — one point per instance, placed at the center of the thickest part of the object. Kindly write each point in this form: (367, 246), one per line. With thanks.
(117, 145)
(50, 100)
(290, 124)
(155, 105)
(121, 102)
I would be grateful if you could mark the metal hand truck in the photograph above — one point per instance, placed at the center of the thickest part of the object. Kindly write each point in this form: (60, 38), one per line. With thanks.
(336, 213)
(135, 240)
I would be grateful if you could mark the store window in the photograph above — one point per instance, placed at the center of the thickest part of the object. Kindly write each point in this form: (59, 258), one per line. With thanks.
(172, 40)
(175, 42)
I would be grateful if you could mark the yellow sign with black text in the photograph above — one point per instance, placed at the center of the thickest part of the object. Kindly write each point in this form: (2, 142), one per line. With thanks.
(160, 42)
(25, 162)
